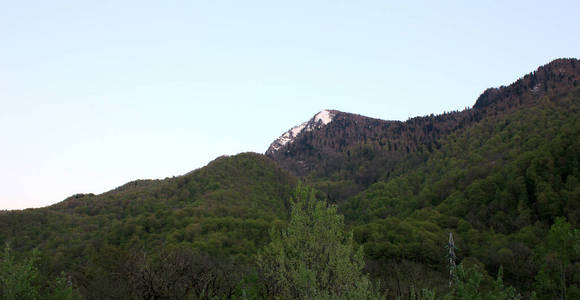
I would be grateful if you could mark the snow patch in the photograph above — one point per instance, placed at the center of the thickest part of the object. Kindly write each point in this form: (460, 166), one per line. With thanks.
(536, 88)
(323, 116)
(298, 129)
(319, 120)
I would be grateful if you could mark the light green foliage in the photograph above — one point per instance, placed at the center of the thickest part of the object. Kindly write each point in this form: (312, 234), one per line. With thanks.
(562, 246)
(20, 280)
(469, 285)
(313, 258)
(225, 210)
(17, 280)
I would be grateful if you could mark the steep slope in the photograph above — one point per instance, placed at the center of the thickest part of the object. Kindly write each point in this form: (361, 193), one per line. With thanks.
(497, 175)
(317, 122)
(498, 184)
(352, 152)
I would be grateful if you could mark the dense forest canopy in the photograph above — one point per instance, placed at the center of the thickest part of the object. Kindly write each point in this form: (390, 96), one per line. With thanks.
(502, 177)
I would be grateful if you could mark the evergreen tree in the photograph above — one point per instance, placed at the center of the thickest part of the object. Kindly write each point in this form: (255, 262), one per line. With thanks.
(17, 280)
(470, 282)
(20, 280)
(313, 258)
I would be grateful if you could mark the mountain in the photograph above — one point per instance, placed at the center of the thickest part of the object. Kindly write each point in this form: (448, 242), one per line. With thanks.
(501, 184)
(356, 151)
(503, 176)
(498, 175)
(317, 122)
(224, 209)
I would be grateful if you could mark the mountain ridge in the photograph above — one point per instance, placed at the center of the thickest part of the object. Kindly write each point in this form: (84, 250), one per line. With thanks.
(318, 121)
(536, 83)
(324, 148)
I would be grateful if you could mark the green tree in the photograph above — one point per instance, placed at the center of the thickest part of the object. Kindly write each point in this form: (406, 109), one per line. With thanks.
(17, 280)
(61, 289)
(313, 258)
(561, 248)
(470, 282)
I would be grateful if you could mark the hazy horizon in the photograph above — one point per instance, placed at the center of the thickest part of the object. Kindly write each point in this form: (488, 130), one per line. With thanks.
(95, 95)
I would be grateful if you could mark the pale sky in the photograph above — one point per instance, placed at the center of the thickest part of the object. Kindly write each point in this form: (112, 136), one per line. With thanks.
(94, 94)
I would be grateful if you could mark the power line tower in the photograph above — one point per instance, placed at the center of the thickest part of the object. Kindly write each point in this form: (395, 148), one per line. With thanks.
(451, 258)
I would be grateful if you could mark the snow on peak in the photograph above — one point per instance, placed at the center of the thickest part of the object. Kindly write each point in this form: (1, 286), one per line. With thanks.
(325, 116)
(319, 120)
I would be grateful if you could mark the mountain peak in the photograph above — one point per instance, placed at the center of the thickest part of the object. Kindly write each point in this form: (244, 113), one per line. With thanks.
(559, 75)
(318, 121)
(324, 116)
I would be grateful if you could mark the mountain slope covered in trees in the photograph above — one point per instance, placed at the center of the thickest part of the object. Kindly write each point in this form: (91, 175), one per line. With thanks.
(224, 209)
(352, 152)
(502, 176)
(498, 185)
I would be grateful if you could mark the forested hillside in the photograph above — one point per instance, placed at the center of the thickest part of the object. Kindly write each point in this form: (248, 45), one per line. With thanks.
(224, 210)
(498, 185)
(503, 177)
(353, 151)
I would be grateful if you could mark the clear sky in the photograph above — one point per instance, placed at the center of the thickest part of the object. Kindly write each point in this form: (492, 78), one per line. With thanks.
(94, 94)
